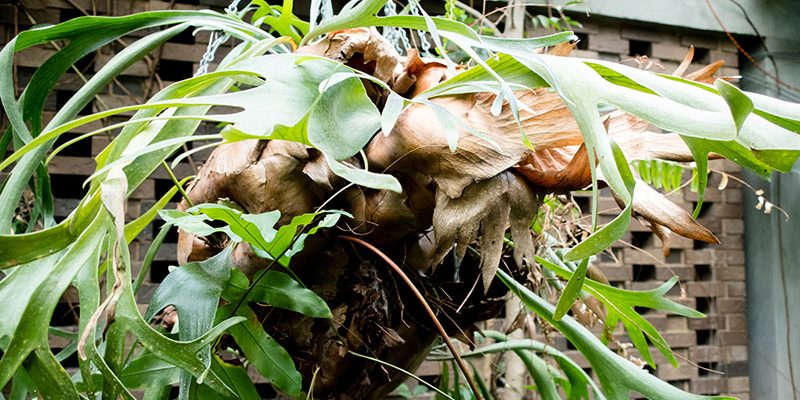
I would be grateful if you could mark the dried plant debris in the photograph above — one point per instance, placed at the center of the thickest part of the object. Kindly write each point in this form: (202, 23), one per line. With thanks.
(469, 196)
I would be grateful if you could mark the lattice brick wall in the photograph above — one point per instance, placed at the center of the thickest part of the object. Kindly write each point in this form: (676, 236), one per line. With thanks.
(712, 276)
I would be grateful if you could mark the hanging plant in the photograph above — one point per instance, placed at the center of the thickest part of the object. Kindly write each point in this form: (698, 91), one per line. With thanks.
(343, 158)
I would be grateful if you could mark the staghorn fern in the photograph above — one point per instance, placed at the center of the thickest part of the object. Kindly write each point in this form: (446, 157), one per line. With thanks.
(314, 99)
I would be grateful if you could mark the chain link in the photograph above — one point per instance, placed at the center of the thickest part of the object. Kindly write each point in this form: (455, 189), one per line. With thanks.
(216, 39)
(396, 36)
(424, 45)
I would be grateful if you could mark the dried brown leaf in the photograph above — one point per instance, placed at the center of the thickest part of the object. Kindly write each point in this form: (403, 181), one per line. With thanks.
(483, 213)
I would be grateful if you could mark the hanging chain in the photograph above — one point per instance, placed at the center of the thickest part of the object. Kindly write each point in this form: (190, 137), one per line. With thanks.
(326, 10)
(216, 39)
(396, 36)
(424, 45)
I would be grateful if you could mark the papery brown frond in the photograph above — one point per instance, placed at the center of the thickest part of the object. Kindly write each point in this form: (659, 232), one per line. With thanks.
(360, 48)
(656, 208)
(706, 74)
(483, 212)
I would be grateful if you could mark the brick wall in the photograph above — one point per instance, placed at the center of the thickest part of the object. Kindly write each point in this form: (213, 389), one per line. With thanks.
(712, 352)
(712, 277)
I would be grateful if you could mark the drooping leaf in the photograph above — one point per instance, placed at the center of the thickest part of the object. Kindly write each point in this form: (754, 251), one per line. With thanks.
(149, 370)
(570, 291)
(194, 290)
(235, 376)
(621, 306)
(280, 290)
(269, 358)
(617, 375)
(53, 276)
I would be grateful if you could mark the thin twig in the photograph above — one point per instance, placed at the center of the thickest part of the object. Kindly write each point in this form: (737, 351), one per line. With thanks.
(778, 81)
(409, 374)
(461, 365)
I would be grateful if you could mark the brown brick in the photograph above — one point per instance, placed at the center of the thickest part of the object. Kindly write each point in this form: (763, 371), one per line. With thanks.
(684, 273)
(585, 54)
(705, 289)
(736, 289)
(643, 256)
(670, 373)
(731, 58)
(670, 50)
(727, 210)
(608, 40)
(711, 195)
(617, 273)
(145, 191)
(182, 52)
(733, 257)
(736, 353)
(704, 256)
(708, 385)
(733, 226)
(728, 306)
(677, 323)
(731, 242)
(737, 322)
(648, 35)
(735, 273)
(680, 340)
(86, 5)
(35, 4)
(732, 196)
(704, 353)
(707, 42)
(72, 165)
(731, 338)
(712, 321)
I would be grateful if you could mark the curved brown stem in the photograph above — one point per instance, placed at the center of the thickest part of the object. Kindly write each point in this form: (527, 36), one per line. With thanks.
(461, 365)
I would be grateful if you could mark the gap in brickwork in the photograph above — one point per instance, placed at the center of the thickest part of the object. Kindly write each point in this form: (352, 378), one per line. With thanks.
(706, 368)
(184, 37)
(702, 272)
(702, 55)
(704, 209)
(705, 337)
(644, 272)
(162, 186)
(65, 314)
(172, 235)
(172, 70)
(570, 346)
(583, 41)
(637, 48)
(63, 96)
(82, 148)
(704, 304)
(159, 270)
(584, 203)
(68, 186)
(641, 239)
